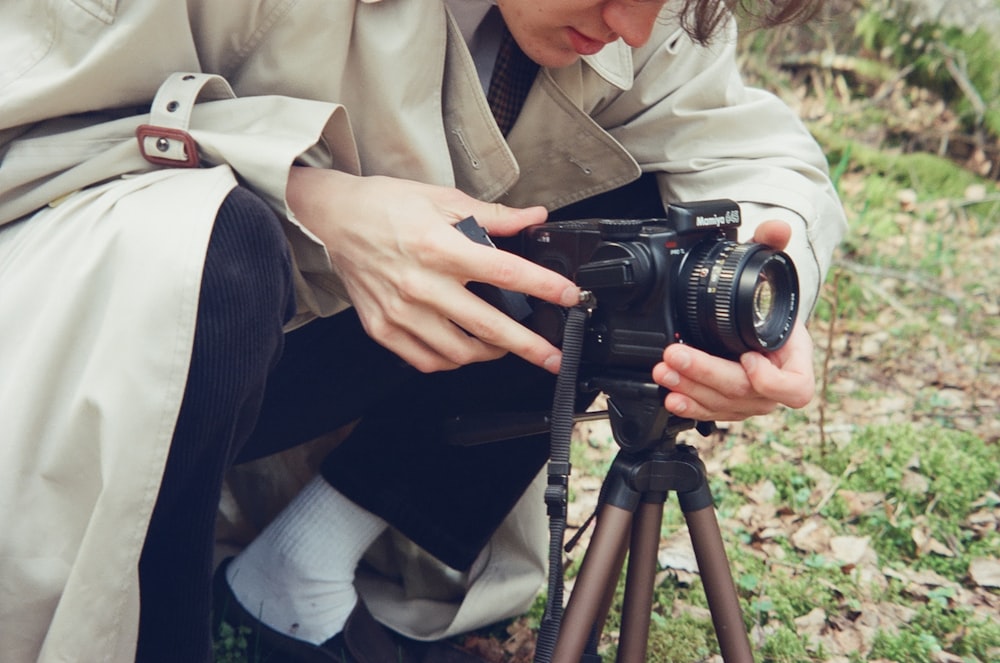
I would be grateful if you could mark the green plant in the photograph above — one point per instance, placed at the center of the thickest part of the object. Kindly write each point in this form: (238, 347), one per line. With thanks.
(959, 65)
(680, 639)
(231, 644)
(784, 645)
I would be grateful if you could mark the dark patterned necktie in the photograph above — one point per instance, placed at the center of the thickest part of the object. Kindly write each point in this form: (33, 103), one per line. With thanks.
(513, 74)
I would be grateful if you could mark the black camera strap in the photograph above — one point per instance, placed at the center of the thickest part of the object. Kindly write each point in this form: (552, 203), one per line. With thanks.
(557, 490)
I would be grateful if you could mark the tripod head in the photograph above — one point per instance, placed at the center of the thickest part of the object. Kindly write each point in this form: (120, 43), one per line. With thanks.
(639, 422)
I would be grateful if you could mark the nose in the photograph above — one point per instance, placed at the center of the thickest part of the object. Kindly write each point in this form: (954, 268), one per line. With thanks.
(632, 21)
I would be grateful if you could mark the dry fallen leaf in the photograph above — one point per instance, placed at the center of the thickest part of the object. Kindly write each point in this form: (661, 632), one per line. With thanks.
(914, 482)
(985, 572)
(849, 550)
(813, 536)
(762, 493)
(860, 502)
(676, 552)
(811, 626)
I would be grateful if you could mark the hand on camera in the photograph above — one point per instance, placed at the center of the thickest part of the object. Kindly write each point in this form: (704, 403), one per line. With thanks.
(705, 387)
(405, 267)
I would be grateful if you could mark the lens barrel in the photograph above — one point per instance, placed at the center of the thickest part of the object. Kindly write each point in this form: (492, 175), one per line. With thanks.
(737, 297)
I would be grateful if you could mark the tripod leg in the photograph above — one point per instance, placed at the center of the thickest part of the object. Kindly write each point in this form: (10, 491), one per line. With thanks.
(720, 590)
(598, 576)
(609, 594)
(640, 581)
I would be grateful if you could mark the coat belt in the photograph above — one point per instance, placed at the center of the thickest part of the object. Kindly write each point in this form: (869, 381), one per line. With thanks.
(165, 140)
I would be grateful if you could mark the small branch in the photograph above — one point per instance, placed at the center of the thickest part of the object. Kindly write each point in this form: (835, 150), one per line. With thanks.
(828, 355)
(851, 466)
(887, 87)
(909, 277)
(893, 302)
(970, 91)
(979, 201)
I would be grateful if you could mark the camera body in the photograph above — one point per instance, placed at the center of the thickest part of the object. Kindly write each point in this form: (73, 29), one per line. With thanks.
(680, 279)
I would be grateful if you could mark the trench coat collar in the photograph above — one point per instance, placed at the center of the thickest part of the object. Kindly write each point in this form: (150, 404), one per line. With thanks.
(613, 63)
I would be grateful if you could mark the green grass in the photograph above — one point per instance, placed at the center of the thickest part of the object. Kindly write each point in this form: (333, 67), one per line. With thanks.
(932, 478)
(935, 627)
(959, 469)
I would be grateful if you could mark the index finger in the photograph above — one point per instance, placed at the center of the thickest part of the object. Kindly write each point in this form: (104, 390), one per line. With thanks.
(495, 328)
(512, 272)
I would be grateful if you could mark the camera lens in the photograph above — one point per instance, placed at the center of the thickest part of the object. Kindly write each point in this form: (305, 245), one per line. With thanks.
(737, 297)
(763, 301)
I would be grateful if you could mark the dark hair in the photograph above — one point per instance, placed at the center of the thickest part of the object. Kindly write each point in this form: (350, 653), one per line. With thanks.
(702, 18)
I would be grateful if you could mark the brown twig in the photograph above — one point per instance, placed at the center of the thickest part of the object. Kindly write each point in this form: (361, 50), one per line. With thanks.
(825, 377)
(957, 71)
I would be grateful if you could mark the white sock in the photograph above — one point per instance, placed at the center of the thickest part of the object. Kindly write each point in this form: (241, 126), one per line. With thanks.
(297, 576)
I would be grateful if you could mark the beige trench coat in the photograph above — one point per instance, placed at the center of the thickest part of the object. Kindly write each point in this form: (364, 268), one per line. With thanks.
(100, 251)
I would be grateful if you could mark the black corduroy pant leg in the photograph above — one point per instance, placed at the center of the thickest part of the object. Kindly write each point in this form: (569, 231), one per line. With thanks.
(246, 298)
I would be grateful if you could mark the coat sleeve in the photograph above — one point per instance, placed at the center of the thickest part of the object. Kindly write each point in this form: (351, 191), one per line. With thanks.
(690, 117)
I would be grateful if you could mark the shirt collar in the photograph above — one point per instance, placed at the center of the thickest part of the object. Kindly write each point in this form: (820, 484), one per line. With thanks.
(469, 14)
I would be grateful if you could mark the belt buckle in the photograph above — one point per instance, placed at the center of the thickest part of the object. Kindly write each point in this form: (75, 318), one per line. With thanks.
(164, 146)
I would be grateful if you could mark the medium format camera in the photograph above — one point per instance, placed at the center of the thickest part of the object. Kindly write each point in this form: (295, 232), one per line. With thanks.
(680, 279)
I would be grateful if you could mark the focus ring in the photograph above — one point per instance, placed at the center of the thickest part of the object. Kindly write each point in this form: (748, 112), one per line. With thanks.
(723, 285)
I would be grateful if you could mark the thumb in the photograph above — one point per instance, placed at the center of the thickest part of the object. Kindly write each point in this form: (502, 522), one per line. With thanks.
(504, 221)
(773, 233)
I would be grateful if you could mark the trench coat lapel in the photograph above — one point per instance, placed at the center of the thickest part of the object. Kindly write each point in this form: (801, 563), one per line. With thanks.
(571, 156)
(483, 163)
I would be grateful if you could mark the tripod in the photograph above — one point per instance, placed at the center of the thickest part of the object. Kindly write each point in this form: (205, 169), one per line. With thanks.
(649, 465)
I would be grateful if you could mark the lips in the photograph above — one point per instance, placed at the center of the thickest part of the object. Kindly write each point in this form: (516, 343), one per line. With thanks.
(583, 44)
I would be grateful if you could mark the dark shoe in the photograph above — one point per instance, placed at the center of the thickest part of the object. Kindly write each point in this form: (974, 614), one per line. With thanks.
(446, 652)
(363, 639)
